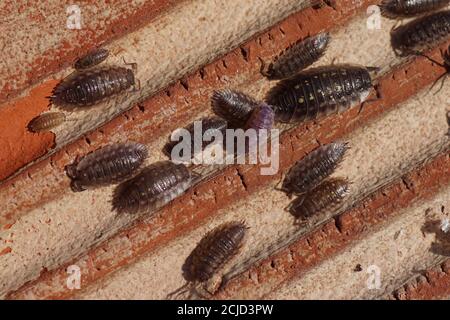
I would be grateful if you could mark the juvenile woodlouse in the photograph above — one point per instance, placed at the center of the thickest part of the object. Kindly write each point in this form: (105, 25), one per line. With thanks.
(156, 185)
(262, 117)
(409, 8)
(210, 126)
(107, 165)
(297, 57)
(89, 87)
(46, 121)
(91, 59)
(421, 34)
(310, 171)
(324, 198)
(211, 254)
(446, 65)
(320, 91)
(233, 106)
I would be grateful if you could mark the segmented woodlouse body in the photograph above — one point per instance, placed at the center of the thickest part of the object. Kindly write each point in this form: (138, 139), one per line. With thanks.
(46, 121)
(156, 185)
(325, 197)
(410, 8)
(211, 254)
(310, 171)
(91, 59)
(233, 106)
(89, 87)
(319, 91)
(297, 57)
(110, 164)
(262, 117)
(209, 127)
(421, 34)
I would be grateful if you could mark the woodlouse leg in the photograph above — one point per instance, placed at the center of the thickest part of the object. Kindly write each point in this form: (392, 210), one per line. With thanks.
(77, 186)
(263, 69)
(139, 85)
(132, 64)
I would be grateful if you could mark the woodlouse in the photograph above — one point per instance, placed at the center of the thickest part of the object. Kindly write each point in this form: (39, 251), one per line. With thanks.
(210, 126)
(89, 87)
(297, 57)
(91, 59)
(310, 171)
(409, 8)
(46, 121)
(262, 117)
(325, 197)
(107, 165)
(233, 106)
(421, 34)
(320, 91)
(156, 185)
(211, 254)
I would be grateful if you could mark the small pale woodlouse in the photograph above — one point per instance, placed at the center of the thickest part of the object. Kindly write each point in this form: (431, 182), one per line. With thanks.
(421, 34)
(233, 106)
(91, 86)
(107, 165)
(262, 117)
(446, 65)
(210, 255)
(91, 59)
(210, 126)
(409, 8)
(46, 121)
(310, 171)
(297, 57)
(326, 197)
(320, 91)
(155, 186)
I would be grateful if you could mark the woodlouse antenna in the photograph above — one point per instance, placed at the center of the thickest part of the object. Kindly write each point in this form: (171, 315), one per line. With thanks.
(187, 287)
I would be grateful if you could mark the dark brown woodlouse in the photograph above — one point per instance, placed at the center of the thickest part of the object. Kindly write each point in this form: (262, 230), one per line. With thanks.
(297, 57)
(233, 106)
(46, 121)
(421, 34)
(320, 91)
(209, 126)
(107, 165)
(310, 171)
(91, 59)
(91, 86)
(409, 8)
(211, 254)
(156, 185)
(446, 65)
(325, 197)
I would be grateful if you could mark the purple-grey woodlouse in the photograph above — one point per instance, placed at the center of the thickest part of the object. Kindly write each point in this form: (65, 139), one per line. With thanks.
(91, 59)
(262, 117)
(46, 121)
(233, 106)
(155, 186)
(91, 86)
(210, 126)
(320, 91)
(107, 165)
(211, 254)
(297, 57)
(421, 34)
(310, 171)
(409, 8)
(326, 197)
